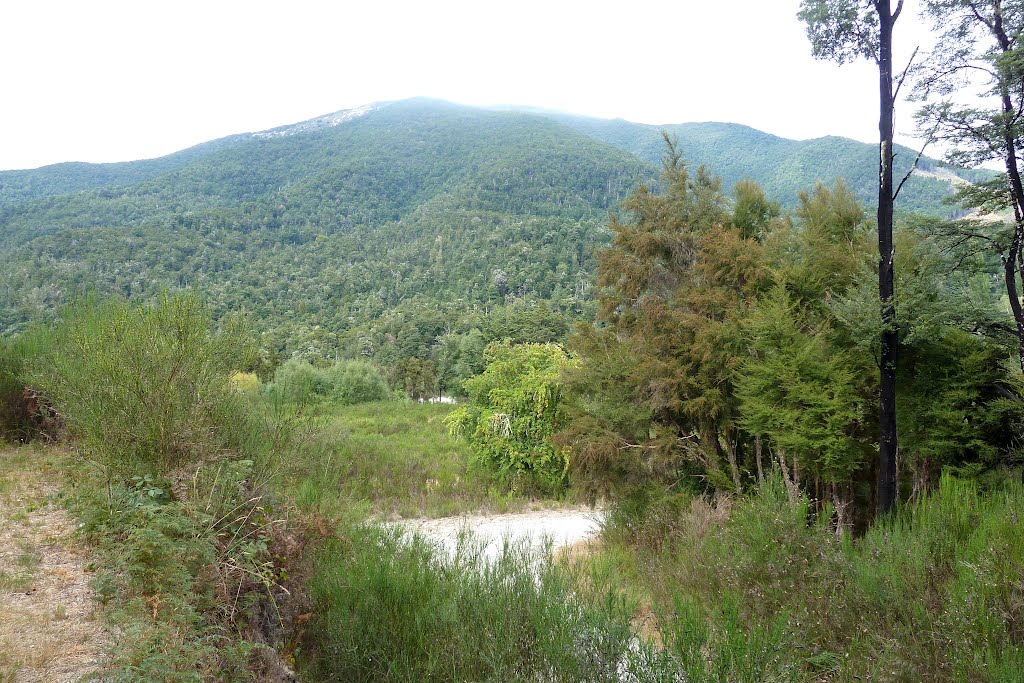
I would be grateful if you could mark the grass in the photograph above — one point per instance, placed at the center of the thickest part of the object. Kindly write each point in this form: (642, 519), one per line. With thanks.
(391, 460)
(391, 609)
(749, 588)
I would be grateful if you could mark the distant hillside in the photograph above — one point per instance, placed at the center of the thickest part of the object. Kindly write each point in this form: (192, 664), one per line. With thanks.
(783, 167)
(380, 228)
(56, 179)
(318, 230)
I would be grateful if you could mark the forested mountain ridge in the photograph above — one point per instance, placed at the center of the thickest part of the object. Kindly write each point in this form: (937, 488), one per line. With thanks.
(374, 230)
(324, 234)
(782, 166)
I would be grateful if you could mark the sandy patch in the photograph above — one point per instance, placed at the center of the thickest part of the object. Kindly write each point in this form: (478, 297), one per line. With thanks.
(560, 528)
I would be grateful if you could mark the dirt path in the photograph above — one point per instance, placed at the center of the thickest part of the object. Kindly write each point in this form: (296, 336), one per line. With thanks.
(559, 527)
(48, 629)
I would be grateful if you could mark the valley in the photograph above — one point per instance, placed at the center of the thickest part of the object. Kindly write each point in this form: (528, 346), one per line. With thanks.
(660, 346)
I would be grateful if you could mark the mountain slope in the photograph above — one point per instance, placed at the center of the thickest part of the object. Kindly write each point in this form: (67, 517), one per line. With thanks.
(783, 167)
(378, 229)
(319, 230)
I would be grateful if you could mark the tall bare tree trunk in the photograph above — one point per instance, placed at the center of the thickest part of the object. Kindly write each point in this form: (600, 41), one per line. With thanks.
(1012, 261)
(886, 254)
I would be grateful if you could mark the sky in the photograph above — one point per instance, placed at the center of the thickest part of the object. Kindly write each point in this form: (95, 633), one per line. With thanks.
(113, 80)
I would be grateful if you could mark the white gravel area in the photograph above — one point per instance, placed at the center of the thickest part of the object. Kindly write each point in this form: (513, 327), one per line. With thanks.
(560, 528)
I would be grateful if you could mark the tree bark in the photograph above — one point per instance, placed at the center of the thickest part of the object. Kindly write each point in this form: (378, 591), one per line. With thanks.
(734, 469)
(1012, 260)
(758, 454)
(886, 253)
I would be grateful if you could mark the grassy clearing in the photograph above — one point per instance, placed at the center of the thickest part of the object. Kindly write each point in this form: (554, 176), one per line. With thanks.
(394, 459)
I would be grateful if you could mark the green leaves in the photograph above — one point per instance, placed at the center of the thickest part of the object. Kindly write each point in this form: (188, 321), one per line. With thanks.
(514, 408)
(841, 30)
(800, 391)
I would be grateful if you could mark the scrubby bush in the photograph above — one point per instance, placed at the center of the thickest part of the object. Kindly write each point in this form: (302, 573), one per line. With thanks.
(932, 593)
(179, 574)
(297, 381)
(345, 383)
(356, 381)
(245, 382)
(144, 388)
(23, 414)
(390, 609)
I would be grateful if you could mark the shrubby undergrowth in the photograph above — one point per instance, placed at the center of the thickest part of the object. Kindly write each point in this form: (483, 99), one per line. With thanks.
(395, 609)
(170, 491)
(345, 383)
(144, 389)
(931, 594)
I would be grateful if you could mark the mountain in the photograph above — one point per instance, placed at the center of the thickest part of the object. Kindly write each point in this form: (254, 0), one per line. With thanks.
(379, 229)
(782, 167)
(319, 229)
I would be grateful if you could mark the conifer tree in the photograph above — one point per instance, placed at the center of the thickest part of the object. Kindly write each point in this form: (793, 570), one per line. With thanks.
(654, 389)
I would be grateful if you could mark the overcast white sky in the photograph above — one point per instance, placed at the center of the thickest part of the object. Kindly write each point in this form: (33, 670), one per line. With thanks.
(112, 80)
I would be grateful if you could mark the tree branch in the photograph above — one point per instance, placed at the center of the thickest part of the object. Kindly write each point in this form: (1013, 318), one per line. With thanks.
(913, 167)
(906, 69)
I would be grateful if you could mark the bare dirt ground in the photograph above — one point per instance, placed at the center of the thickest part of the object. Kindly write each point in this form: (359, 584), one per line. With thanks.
(560, 528)
(48, 627)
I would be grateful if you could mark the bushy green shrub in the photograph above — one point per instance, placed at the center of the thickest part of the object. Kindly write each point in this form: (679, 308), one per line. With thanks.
(356, 381)
(297, 381)
(144, 388)
(345, 383)
(515, 407)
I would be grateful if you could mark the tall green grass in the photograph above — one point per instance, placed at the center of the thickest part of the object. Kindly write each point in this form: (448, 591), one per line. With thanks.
(390, 608)
(391, 459)
(932, 594)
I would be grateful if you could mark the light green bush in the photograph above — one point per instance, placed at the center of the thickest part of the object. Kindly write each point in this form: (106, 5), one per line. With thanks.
(144, 388)
(345, 383)
(515, 407)
(356, 381)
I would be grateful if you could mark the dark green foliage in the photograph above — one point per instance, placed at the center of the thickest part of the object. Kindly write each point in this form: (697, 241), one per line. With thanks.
(320, 232)
(785, 167)
(655, 385)
(801, 392)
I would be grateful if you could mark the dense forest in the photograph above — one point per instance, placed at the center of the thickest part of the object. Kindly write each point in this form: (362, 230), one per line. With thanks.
(389, 231)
